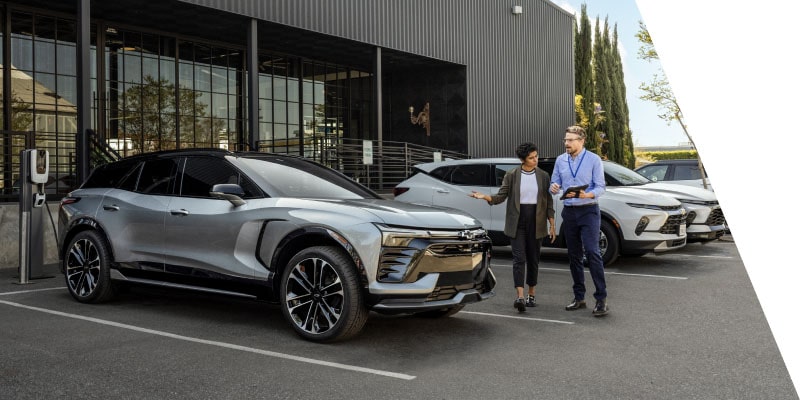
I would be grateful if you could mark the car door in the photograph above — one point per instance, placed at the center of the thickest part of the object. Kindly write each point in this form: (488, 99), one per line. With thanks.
(207, 236)
(133, 214)
(458, 184)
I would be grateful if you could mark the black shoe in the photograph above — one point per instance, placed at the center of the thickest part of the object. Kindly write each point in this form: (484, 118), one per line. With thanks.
(530, 301)
(576, 304)
(519, 304)
(600, 309)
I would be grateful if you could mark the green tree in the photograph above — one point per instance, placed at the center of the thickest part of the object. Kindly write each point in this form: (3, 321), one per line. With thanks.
(603, 91)
(584, 81)
(149, 117)
(659, 91)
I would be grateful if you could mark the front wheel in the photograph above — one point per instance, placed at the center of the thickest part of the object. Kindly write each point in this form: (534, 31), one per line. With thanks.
(320, 295)
(87, 268)
(609, 242)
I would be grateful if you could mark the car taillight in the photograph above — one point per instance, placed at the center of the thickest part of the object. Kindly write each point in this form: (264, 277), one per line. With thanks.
(397, 191)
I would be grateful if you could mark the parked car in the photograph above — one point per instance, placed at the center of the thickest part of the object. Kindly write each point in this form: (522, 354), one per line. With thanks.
(682, 172)
(272, 227)
(634, 222)
(704, 220)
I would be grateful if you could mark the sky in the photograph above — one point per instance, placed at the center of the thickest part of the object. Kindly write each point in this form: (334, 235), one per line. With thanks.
(646, 127)
(731, 67)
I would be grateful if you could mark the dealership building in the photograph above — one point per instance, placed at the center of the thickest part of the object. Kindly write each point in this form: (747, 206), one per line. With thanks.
(92, 80)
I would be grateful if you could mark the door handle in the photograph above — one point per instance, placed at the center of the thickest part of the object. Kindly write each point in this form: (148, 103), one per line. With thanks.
(111, 208)
(440, 190)
(179, 212)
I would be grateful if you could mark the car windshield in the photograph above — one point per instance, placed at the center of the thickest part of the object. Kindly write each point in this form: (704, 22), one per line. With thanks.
(294, 177)
(623, 176)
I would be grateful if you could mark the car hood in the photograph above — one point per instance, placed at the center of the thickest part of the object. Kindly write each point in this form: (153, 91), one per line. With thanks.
(681, 191)
(638, 195)
(398, 213)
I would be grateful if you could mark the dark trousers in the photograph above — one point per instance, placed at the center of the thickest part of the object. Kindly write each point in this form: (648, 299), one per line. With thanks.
(525, 248)
(582, 234)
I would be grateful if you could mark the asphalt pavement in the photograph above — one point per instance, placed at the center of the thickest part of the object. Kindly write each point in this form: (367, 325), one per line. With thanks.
(683, 325)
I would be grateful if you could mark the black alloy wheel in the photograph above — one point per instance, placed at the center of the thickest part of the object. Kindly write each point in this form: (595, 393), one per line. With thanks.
(321, 297)
(87, 268)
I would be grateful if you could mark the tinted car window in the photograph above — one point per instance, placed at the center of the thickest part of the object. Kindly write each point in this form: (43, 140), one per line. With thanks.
(683, 172)
(109, 175)
(500, 171)
(200, 174)
(617, 175)
(473, 175)
(294, 177)
(158, 176)
(442, 173)
(654, 172)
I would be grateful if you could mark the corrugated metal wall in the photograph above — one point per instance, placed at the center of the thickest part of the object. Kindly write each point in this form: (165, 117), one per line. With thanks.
(520, 80)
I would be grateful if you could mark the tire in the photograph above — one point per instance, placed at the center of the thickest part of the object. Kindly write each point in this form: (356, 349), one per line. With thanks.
(443, 313)
(87, 268)
(609, 242)
(320, 295)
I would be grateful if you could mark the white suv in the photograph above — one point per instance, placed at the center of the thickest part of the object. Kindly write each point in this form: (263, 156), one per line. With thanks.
(704, 218)
(634, 221)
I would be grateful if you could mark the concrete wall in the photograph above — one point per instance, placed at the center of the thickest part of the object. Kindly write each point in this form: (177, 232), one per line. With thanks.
(9, 235)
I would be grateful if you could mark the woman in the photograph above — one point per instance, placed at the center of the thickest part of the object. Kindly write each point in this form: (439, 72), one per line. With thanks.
(529, 208)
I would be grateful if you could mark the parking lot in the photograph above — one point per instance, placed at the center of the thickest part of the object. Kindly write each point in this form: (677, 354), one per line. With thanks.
(683, 325)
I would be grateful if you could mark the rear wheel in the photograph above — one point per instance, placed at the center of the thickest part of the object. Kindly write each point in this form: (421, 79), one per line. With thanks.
(320, 295)
(87, 268)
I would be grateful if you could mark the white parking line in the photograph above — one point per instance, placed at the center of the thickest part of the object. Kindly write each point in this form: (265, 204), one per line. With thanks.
(33, 290)
(219, 344)
(607, 272)
(511, 316)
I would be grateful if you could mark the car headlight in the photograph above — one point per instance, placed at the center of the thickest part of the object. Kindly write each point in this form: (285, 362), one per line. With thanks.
(647, 206)
(697, 202)
(400, 237)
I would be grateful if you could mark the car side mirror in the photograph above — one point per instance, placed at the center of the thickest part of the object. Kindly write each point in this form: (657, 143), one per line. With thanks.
(228, 191)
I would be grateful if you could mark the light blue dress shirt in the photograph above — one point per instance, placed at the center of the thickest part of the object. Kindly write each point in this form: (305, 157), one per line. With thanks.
(586, 168)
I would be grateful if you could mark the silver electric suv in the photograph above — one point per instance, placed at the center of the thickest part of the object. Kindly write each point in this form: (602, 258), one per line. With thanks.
(272, 227)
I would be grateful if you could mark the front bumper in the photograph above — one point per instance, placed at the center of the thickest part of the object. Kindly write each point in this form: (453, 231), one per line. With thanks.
(432, 273)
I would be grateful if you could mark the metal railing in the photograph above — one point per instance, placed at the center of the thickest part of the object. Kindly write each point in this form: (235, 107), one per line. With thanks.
(391, 161)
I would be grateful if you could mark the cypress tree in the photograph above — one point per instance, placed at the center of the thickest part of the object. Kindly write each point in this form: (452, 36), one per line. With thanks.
(584, 82)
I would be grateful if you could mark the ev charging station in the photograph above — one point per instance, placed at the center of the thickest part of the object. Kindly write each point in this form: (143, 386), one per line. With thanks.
(34, 171)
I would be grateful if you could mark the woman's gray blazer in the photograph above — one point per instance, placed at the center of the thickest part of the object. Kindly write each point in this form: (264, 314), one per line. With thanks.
(510, 190)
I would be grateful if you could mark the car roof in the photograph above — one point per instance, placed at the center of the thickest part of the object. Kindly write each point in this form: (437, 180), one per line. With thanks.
(490, 160)
(677, 161)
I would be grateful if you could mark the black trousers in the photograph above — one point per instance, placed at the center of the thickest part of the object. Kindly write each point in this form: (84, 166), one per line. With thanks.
(525, 248)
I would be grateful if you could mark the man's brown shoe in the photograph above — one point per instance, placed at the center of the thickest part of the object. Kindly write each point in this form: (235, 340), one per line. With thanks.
(576, 304)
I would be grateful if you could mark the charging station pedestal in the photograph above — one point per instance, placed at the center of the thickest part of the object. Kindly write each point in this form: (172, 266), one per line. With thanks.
(34, 171)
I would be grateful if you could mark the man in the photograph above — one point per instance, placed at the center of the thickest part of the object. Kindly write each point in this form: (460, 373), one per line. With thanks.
(581, 216)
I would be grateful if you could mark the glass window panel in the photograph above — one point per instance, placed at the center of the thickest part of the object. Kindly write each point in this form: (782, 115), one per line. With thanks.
(202, 77)
(150, 45)
(202, 103)
(293, 89)
(167, 69)
(293, 113)
(294, 131)
(279, 88)
(186, 75)
(167, 47)
(220, 105)
(66, 31)
(149, 68)
(264, 86)
(186, 102)
(265, 131)
(45, 55)
(280, 131)
(279, 109)
(68, 88)
(308, 91)
(265, 110)
(45, 83)
(219, 79)
(132, 67)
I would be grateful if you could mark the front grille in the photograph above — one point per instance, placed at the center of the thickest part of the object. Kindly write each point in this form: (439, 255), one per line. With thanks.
(716, 217)
(673, 224)
(670, 208)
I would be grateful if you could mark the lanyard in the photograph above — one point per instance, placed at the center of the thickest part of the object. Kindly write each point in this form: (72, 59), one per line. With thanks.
(569, 159)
